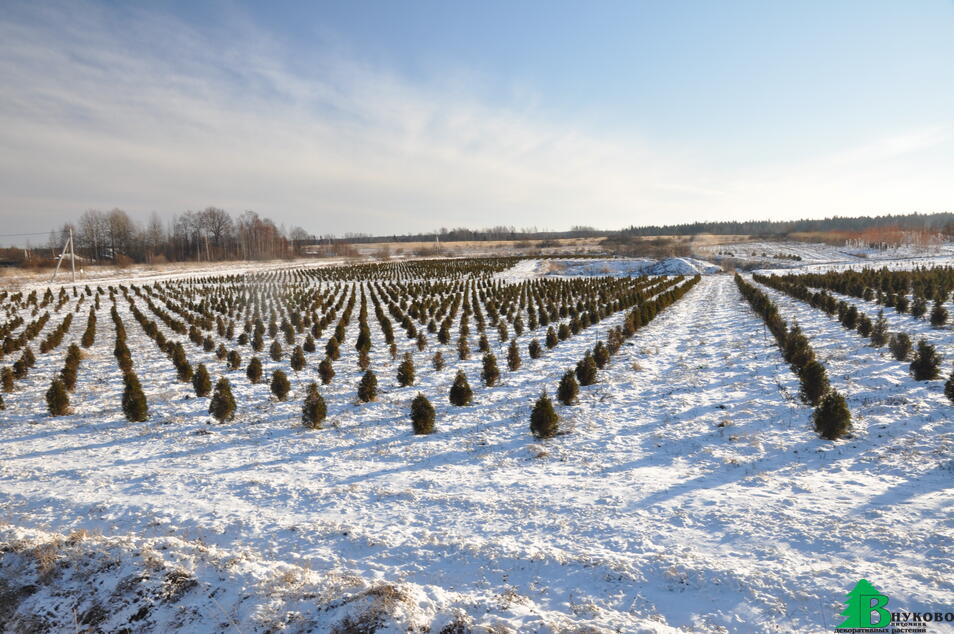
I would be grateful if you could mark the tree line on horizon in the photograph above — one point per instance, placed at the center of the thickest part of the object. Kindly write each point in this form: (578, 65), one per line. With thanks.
(211, 234)
(465, 234)
(941, 222)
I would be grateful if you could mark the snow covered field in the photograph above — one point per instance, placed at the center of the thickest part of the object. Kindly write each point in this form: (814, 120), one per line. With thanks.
(688, 494)
(782, 256)
(589, 267)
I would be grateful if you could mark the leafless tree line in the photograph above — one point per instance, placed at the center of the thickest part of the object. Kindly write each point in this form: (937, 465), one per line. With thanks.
(211, 234)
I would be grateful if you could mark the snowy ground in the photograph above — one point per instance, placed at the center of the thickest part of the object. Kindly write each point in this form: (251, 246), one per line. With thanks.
(894, 264)
(18, 279)
(814, 252)
(777, 256)
(690, 494)
(596, 267)
(777, 252)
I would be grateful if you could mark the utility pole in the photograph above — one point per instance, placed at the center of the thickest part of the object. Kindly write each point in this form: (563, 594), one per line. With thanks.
(72, 256)
(67, 245)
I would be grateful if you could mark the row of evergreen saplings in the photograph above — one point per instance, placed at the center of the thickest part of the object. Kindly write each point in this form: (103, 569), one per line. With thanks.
(460, 392)
(926, 362)
(57, 394)
(290, 333)
(831, 418)
(890, 288)
(22, 366)
(544, 420)
(222, 405)
(406, 368)
(135, 407)
(325, 370)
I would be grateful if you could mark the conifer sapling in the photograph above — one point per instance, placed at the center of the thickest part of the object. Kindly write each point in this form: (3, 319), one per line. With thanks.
(331, 348)
(368, 387)
(57, 399)
(364, 361)
(135, 407)
(422, 415)
(900, 346)
(814, 382)
(313, 410)
(280, 385)
(201, 381)
(927, 362)
(490, 373)
(534, 349)
(405, 372)
(326, 371)
(601, 355)
(513, 356)
(832, 419)
(586, 369)
(222, 405)
(569, 388)
(254, 370)
(879, 331)
(234, 360)
(938, 314)
(949, 387)
(543, 419)
(460, 392)
(298, 361)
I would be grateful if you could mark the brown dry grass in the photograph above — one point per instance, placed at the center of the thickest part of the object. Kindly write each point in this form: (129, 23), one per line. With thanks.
(379, 602)
(891, 236)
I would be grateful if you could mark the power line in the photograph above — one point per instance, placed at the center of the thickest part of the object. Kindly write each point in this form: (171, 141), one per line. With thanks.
(20, 235)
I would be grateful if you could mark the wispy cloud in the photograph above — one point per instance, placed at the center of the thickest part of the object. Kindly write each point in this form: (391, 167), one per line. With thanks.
(143, 111)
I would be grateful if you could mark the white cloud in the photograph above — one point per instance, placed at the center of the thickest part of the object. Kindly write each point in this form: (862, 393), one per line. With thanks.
(143, 112)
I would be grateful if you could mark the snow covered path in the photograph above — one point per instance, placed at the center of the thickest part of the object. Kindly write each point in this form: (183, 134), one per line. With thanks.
(690, 492)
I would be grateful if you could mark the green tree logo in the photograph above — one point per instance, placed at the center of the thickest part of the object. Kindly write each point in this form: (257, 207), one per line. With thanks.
(864, 602)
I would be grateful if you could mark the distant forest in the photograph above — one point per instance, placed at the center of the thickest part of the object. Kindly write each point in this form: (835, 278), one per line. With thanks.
(942, 222)
(463, 234)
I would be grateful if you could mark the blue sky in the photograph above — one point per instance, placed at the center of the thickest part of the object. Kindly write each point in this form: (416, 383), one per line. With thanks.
(388, 117)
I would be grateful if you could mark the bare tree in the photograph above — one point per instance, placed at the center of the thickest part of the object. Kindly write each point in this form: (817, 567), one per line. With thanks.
(187, 234)
(93, 232)
(121, 230)
(154, 237)
(194, 235)
(299, 237)
(217, 225)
